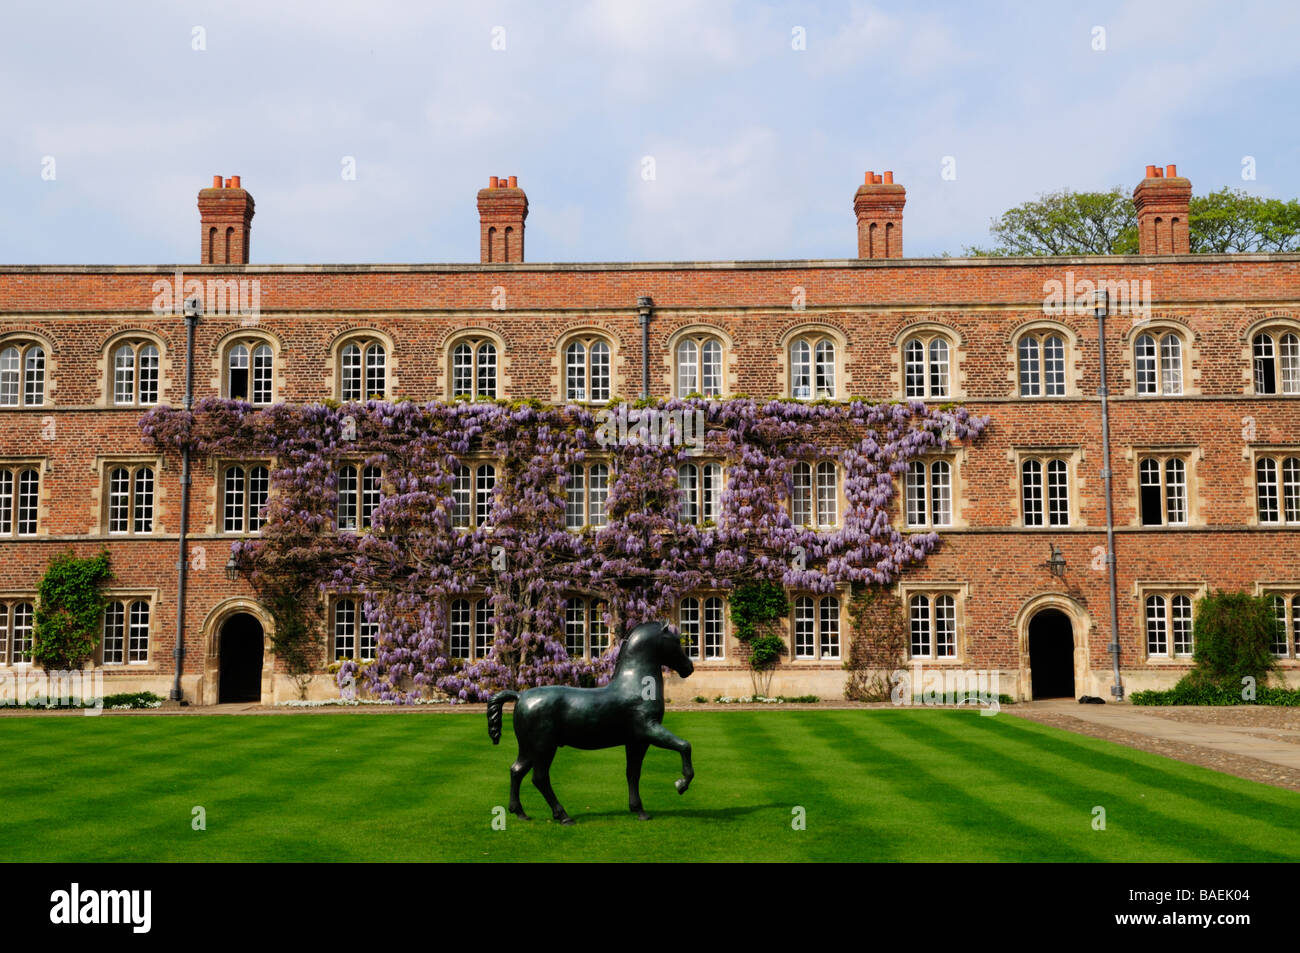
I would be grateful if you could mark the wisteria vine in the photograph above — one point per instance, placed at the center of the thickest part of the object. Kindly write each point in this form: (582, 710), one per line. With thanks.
(413, 561)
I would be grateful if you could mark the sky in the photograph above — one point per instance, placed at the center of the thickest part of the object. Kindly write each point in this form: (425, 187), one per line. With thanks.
(641, 131)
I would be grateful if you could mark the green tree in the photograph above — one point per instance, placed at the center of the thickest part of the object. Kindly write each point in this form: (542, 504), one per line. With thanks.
(69, 607)
(1105, 223)
(1233, 634)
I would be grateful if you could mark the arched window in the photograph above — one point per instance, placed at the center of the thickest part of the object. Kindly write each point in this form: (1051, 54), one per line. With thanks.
(699, 366)
(17, 625)
(585, 493)
(586, 627)
(22, 374)
(1277, 488)
(927, 367)
(250, 372)
(474, 368)
(1162, 491)
(699, 487)
(1277, 362)
(1169, 620)
(359, 494)
(130, 499)
(20, 495)
(135, 367)
(816, 627)
(587, 370)
(701, 623)
(929, 493)
(126, 632)
(812, 368)
(471, 634)
(814, 500)
(363, 370)
(1045, 492)
(1158, 363)
(933, 619)
(356, 636)
(1042, 364)
(471, 493)
(245, 490)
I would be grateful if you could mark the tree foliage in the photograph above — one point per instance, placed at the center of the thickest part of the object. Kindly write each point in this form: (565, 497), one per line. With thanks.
(1105, 223)
(1233, 633)
(69, 611)
(641, 561)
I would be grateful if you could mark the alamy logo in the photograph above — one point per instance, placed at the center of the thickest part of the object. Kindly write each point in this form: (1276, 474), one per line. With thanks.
(218, 296)
(1078, 296)
(650, 427)
(103, 907)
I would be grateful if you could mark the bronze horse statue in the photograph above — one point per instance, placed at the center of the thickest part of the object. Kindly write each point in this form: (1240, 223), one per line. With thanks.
(627, 712)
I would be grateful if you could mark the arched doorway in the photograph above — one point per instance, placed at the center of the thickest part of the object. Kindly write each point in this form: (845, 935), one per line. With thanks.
(1051, 654)
(240, 657)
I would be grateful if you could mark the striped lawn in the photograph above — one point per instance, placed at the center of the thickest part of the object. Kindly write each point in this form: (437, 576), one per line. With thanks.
(893, 785)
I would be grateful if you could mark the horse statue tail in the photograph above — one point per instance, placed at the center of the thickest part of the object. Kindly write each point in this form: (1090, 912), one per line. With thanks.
(494, 713)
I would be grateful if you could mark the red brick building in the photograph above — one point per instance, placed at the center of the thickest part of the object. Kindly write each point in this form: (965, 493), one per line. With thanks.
(1203, 370)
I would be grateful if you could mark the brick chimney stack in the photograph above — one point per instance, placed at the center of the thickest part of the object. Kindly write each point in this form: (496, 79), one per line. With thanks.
(879, 207)
(502, 208)
(226, 214)
(1163, 200)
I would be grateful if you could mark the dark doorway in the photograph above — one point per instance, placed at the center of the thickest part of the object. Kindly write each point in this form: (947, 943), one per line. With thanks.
(1051, 654)
(241, 660)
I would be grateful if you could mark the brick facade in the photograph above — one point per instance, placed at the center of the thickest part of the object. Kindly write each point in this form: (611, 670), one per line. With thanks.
(1217, 426)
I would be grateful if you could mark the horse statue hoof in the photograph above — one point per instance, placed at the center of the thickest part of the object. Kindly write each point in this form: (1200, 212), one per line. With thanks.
(642, 816)
(680, 785)
(566, 820)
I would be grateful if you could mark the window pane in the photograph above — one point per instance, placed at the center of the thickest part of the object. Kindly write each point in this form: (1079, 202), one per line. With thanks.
(1144, 363)
(945, 627)
(124, 375)
(351, 378)
(599, 629)
(138, 646)
(827, 494)
(805, 631)
(24, 618)
(143, 519)
(1029, 380)
(1171, 364)
(825, 369)
(1265, 368)
(575, 627)
(687, 492)
(1266, 489)
(599, 371)
(1291, 489)
(462, 370)
(920, 622)
(1175, 491)
(34, 377)
(1149, 493)
(687, 358)
(689, 622)
(1054, 366)
(371, 478)
(484, 637)
(237, 362)
(1278, 644)
(461, 495)
(376, 372)
(1031, 492)
(801, 495)
(6, 502)
(575, 362)
(233, 501)
(262, 384)
(713, 628)
(367, 635)
(575, 497)
(941, 493)
(149, 374)
(800, 370)
(1058, 493)
(830, 627)
(914, 368)
(938, 368)
(485, 483)
(114, 633)
(487, 370)
(259, 491)
(712, 477)
(347, 484)
(119, 500)
(461, 628)
(1157, 634)
(345, 620)
(711, 369)
(599, 491)
(9, 364)
(1180, 622)
(29, 483)
(1289, 358)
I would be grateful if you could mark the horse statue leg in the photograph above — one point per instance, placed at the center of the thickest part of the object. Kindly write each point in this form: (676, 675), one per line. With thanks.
(542, 781)
(661, 737)
(635, 755)
(517, 771)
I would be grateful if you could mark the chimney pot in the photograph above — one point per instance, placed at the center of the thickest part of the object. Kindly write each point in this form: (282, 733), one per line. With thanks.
(889, 178)
(235, 180)
(1171, 171)
(216, 181)
(870, 177)
(1151, 172)
(514, 180)
(227, 183)
(492, 182)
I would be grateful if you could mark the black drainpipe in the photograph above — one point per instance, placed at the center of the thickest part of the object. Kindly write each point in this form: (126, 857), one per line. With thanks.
(182, 565)
(643, 306)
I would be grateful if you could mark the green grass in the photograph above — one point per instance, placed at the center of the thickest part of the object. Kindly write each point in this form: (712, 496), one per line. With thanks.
(875, 784)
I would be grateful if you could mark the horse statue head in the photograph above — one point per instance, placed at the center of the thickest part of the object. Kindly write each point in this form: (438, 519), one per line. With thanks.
(652, 644)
